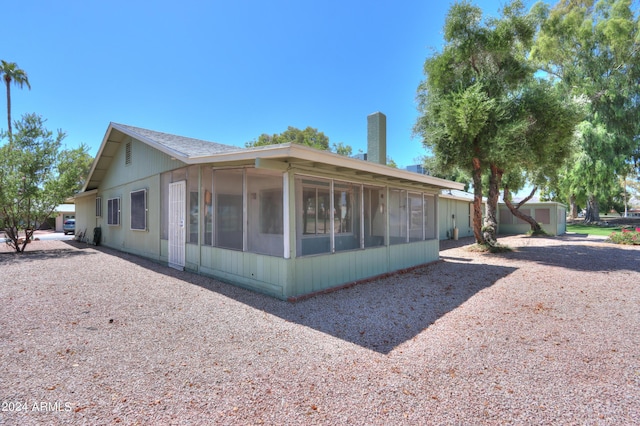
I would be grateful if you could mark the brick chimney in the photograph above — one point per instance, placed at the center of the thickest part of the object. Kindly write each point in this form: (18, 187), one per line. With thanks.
(377, 138)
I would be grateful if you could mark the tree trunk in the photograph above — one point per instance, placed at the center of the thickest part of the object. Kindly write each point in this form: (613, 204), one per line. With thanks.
(515, 210)
(593, 210)
(477, 201)
(490, 228)
(573, 207)
(624, 195)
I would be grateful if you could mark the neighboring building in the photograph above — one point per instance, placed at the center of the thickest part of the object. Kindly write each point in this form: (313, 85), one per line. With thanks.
(62, 213)
(417, 168)
(285, 220)
(455, 211)
(551, 216)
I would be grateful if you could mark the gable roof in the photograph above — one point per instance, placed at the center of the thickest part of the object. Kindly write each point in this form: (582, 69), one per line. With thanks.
(180, 145)
(279, 157)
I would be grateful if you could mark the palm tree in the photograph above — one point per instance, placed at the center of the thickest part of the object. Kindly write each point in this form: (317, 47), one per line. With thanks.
(10, 72)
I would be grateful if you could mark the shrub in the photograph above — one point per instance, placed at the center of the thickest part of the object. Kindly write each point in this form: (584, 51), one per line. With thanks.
(627, 236)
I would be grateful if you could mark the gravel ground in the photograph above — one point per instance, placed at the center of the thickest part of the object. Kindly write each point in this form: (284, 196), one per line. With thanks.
(546, 334)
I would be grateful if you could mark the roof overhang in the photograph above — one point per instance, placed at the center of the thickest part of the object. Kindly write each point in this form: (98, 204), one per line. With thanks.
(285, 156)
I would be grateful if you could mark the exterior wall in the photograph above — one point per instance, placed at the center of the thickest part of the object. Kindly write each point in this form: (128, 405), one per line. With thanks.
(283, 278)
(86, 214)
(279, 276)
(143, 173)
(462, 209)
(561, 219)
(61, 217)
(553, 222)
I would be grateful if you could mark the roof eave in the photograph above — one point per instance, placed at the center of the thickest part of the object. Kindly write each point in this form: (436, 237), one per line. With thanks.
(301, 152)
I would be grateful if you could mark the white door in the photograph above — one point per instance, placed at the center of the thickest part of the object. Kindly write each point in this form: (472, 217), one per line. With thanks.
(177, 234)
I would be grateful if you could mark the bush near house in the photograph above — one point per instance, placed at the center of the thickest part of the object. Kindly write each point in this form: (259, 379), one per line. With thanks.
(626, 236)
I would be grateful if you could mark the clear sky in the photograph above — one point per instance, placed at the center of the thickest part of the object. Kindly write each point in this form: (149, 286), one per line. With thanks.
(224, 71)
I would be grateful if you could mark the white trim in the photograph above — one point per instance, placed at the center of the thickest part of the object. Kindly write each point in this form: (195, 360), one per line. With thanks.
(362, 216)
(146, 210)
(119, 215)
(286, 229)
(245, 212)
(332, 218)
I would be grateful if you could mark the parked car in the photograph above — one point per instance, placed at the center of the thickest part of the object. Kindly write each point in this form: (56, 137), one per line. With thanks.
(69, 226)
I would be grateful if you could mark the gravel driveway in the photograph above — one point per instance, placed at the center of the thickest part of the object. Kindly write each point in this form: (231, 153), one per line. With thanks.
(547, 334)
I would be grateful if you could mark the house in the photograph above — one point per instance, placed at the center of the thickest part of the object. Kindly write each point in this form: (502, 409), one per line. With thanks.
(286, 220)
(551, 216)
(455, 213)
(62, 213)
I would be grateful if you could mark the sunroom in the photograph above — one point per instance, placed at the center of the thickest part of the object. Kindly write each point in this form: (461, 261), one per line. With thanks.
(300, 230)
(286, 220)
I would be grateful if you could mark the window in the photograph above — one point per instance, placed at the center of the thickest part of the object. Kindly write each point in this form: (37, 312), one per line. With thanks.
(315, 212)
(264, 206)
(346, 219)
(397, 216)
(228, 188)
(270, 211)
(416, 217)
(139, 210)
(543, 216)
(113, 211)
(375, 221)
(207, 210)
(98, 207)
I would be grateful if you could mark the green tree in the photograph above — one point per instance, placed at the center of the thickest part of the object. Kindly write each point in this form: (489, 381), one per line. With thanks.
(593, 49)
(309, 137)
(11, 73)
(435, 169)
(342, 149)
(36, 175)
(482, 109)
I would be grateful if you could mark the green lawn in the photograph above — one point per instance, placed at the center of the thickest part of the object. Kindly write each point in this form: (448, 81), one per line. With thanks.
(592, 230)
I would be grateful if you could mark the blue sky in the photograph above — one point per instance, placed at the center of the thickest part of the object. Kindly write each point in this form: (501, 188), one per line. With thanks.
(224, 71)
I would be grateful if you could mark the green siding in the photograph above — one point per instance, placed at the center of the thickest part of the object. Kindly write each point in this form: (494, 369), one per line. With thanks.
(145, 161)
(461, 209)
(272, 275)
(266, 274)
(316, 273)
(143, 173)
(144, 243)
(557, 217)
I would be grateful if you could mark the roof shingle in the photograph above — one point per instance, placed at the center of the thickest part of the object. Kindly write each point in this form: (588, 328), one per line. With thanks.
(188, 147)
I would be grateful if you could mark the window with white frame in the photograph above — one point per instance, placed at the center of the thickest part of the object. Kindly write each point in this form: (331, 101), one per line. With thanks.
(139, 210)
(98, 206)
(113, 211)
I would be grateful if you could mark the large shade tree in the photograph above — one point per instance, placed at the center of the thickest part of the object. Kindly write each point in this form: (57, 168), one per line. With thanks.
(36, 175)
(11, 73)
(309, 137)
(483, 110)
(592, 48)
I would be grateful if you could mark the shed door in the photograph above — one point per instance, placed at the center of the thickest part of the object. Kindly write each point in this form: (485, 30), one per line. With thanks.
(177, 234)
